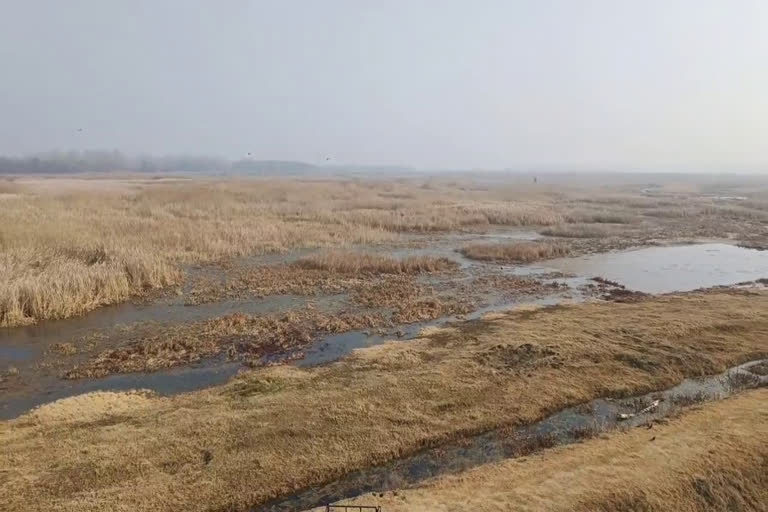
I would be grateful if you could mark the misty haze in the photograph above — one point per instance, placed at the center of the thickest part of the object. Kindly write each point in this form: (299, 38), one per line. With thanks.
(666, 86)
(368, 256)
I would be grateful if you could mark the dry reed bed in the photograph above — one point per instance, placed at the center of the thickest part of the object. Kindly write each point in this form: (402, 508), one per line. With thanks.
(712, 458)
(357, 263)
(273, 431)
(68, 245)
(326, 272)
(65, 252)
(524, 252)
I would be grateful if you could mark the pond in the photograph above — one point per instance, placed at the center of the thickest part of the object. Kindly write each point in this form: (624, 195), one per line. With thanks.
(672, 269)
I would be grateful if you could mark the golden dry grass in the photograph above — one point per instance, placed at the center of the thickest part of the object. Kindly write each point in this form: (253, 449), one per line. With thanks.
(59, 283)
(713, 458)
(9, 187)
(521, 252)
(273, 431)
(370, 263)
(70, 245)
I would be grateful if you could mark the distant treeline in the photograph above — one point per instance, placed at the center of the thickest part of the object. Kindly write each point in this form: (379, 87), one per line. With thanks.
(61, 162)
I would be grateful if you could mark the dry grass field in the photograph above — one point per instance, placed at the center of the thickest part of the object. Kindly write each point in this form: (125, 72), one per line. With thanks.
(67, 249)
(713, 458)
(69, 245)
(276, 430)
(521, 252)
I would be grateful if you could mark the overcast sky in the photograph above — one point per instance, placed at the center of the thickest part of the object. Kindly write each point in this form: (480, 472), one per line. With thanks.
(645, 84)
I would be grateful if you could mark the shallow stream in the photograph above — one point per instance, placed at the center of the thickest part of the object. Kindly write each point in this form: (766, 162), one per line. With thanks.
(565, 427)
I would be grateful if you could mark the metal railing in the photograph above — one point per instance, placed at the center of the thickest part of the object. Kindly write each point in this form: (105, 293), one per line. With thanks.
(359, 508)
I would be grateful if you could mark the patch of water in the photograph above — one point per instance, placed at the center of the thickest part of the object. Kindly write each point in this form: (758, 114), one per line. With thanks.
(177, 380)
(671, 269)
(567, 426)
(24, 348)
(9, 354)
(30, 341)
(334, 347)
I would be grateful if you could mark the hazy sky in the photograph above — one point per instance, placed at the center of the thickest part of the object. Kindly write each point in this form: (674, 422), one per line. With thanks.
(451, 84)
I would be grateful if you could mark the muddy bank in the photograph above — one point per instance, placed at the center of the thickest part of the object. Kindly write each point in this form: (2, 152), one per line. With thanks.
(568, 426)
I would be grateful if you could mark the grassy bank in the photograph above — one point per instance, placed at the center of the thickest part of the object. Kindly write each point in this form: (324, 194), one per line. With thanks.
(713, 458)
(276, 430)
(524, 252)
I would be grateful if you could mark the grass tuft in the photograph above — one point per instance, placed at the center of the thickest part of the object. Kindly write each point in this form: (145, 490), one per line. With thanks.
(525, 252)
(370, 263)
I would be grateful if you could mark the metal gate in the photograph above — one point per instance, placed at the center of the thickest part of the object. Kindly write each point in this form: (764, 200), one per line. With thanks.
(353, 508)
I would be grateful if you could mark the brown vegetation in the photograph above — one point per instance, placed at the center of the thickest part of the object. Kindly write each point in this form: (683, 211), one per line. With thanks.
(57, 283)
(410, 301)
(712, 458)
(149, 347)
(261, 281)
(357, 263)
(521, 252)
(68, 246)
(326, 272)
(600, 217)
(240, 336)
(578, 231)
(273, 431)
